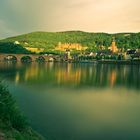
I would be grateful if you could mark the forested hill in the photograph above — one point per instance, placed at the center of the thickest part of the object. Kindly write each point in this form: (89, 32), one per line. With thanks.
(49, 40)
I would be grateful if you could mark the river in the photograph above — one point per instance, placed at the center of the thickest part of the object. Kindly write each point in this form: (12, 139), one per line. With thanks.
(65, 101)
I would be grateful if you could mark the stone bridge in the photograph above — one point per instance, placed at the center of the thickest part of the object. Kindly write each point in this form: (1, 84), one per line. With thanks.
(33, 57)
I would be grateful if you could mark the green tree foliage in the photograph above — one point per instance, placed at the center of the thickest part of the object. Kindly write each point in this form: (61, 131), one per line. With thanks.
(9, 47)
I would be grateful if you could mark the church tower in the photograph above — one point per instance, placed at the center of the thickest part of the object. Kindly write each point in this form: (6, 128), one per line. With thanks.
(113, 46)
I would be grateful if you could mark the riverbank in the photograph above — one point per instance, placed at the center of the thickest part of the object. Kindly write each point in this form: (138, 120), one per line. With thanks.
(10, 133)
(94, 61)
(13, 125)
(120, 62)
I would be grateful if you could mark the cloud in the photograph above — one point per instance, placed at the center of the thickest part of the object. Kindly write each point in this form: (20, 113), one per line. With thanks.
(80, 3)
(23, 16)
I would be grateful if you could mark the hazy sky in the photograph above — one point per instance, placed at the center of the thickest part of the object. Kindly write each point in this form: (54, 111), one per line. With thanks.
(23, 16)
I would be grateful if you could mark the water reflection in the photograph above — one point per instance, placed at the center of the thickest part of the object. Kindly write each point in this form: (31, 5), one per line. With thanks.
(65, 101)
(73, 75)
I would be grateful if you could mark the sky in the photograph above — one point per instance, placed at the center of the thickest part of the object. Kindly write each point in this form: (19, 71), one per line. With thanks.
(111, 16)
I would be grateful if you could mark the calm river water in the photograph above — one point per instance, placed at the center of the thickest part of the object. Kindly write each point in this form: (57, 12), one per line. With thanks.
(77, 101)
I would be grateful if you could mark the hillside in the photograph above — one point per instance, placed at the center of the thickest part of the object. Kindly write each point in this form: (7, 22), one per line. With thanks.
(50, 40)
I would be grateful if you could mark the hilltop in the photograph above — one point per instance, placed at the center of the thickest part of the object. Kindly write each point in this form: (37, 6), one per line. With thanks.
(49, 40)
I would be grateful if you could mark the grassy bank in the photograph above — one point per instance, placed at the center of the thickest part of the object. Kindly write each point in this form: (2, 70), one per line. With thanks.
(13, 124)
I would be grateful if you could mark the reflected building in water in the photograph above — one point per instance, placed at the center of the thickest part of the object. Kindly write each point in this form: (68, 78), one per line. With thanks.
(68, 74)
(72, 75)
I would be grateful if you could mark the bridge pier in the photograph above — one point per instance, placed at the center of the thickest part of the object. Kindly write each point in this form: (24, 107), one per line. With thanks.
(1, 58)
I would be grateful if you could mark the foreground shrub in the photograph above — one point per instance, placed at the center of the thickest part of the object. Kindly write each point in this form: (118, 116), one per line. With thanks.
(9, 111)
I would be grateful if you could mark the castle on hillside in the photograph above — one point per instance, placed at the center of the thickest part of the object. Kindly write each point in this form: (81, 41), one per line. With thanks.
(69, 46)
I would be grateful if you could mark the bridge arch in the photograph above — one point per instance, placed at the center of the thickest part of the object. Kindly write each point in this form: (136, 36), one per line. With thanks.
(26, 58)
(51, 59)
(10, 58)
(40, 59)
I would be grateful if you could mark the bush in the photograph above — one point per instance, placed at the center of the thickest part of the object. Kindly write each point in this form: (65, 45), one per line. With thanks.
(9, 112)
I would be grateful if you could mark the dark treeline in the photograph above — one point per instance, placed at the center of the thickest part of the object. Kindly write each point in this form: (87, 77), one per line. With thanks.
(10, 47)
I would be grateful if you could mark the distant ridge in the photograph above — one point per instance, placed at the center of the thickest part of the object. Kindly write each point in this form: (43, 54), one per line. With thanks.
(49, 40)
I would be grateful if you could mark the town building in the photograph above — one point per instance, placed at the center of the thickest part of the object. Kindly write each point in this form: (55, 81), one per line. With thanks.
(34, 50)
(16, 42)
